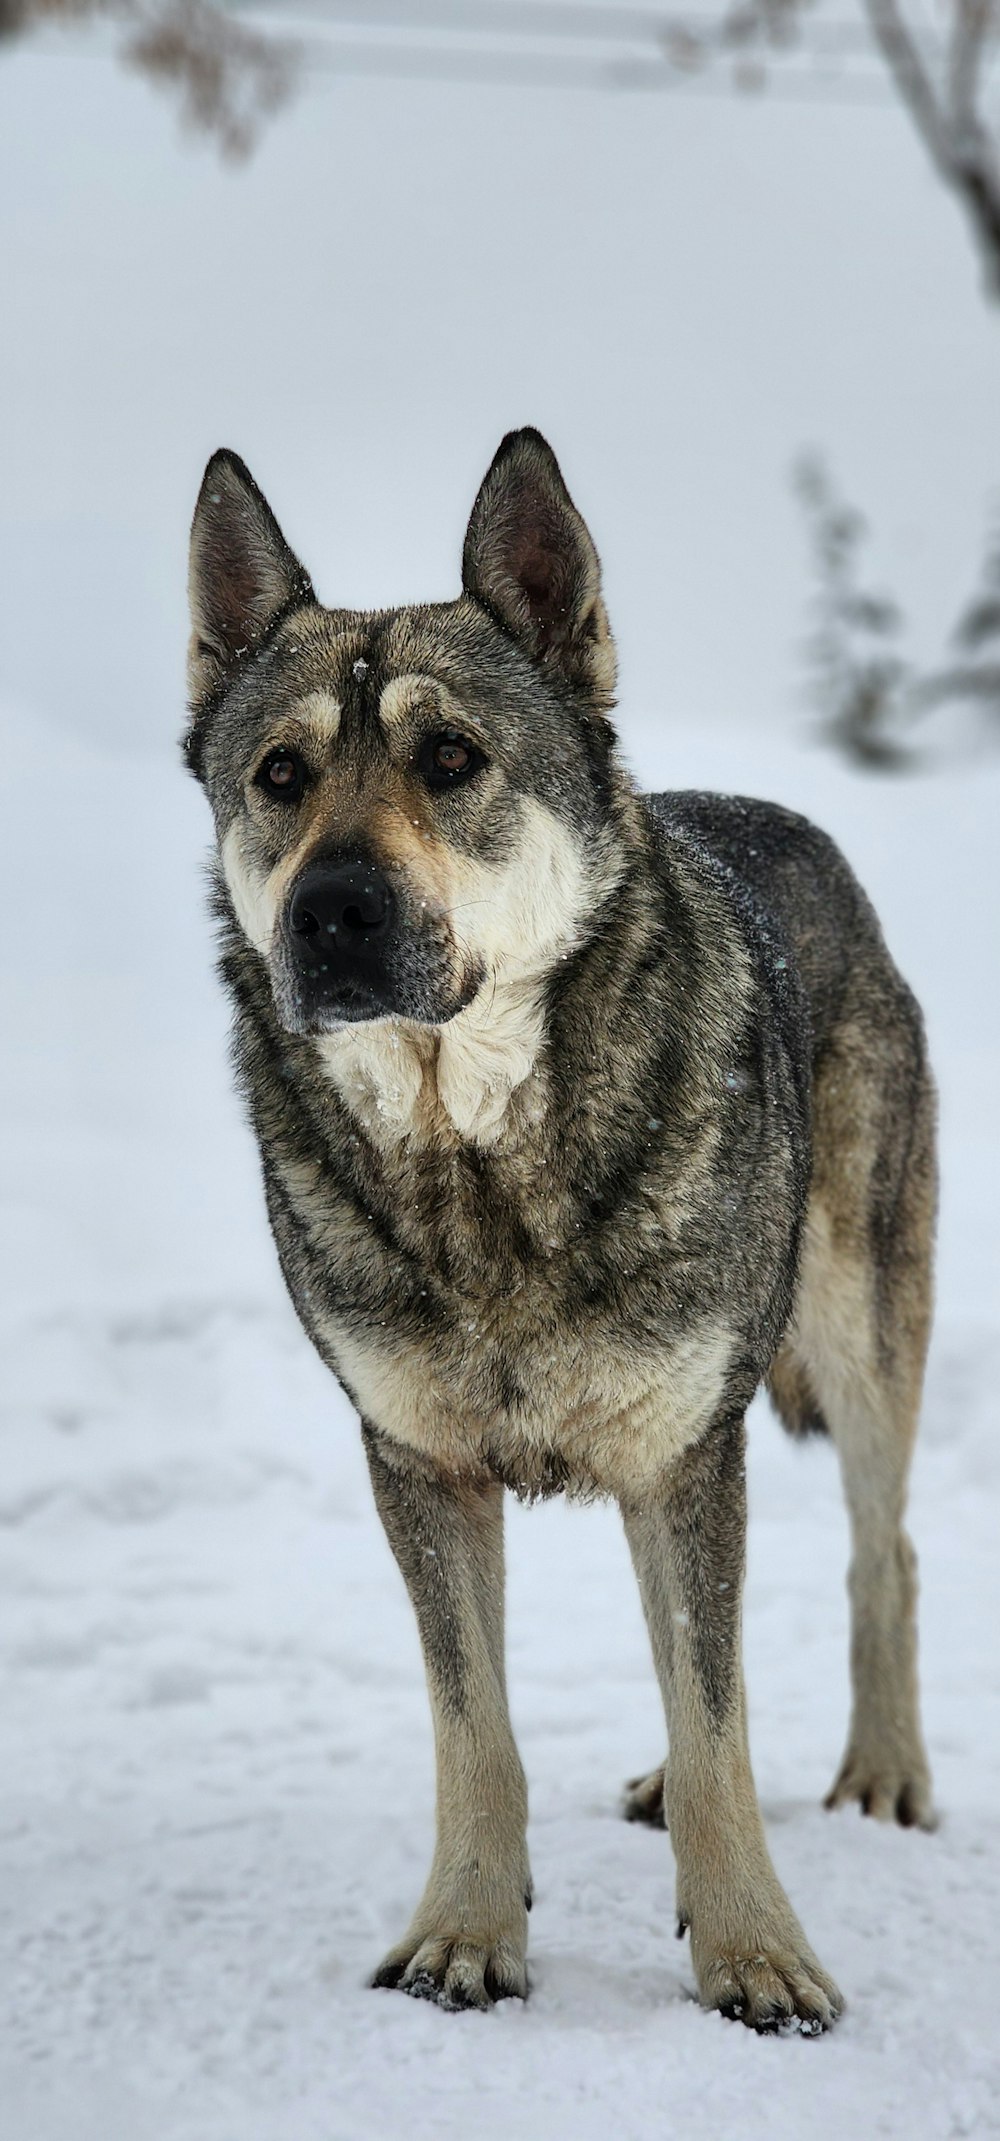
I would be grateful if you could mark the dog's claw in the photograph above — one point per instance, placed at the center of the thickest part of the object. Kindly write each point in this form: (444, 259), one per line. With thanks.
(886, 1790)
(457, 1973)
(776, 1995)
(387, 1976)
(422, 1987)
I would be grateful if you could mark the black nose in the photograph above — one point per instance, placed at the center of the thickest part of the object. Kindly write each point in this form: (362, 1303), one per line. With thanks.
(343, 905)
(339, 929)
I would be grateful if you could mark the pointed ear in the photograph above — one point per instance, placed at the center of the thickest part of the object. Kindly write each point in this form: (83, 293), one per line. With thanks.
(241, 577)
(529, 558)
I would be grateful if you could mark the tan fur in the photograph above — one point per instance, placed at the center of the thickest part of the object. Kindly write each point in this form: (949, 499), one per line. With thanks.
(318, 715)
(870, 1399)
(617, 1426)
(258, 899)
(749, 1952)
(412, 699)
(793, 1393)
(252, 897)
(406, 842)
(603, 658)
(203, 667)
(471, 1925)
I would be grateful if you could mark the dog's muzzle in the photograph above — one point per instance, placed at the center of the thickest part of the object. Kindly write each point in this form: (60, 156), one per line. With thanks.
(340, 925)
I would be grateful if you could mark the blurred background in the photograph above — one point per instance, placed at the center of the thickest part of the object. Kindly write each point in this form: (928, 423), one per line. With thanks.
(742, 268)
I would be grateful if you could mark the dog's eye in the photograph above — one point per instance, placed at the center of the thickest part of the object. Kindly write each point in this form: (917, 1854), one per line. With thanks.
(449, 757)
(282, 775)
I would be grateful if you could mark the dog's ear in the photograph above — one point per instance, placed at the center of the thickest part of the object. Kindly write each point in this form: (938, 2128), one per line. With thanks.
(241, 576)
(530, 559)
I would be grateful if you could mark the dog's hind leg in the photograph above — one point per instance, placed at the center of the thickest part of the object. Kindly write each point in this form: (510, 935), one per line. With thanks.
(750, 1955)
(467, 1941)
(860, 1333)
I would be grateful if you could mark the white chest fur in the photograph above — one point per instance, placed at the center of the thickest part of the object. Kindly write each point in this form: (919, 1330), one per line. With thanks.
(403, 1080)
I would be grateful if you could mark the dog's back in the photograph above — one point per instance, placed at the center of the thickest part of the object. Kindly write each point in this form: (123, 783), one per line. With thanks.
(802, 887)
(869, 1223)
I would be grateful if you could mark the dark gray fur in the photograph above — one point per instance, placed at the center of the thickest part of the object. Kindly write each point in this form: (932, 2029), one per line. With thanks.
(415, 1517)
(705, 1530)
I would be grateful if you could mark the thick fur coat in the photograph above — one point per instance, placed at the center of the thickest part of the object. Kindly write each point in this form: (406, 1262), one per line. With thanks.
(581, 1113)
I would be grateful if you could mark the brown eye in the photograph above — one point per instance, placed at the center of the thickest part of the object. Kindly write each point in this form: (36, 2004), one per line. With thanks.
(282, 774)
(449, 757)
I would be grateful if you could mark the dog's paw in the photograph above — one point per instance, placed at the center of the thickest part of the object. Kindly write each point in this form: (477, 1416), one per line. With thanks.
(890, 1787)
(643, 1799)
(456, 1971)
(755, 1965)
(783, 1993)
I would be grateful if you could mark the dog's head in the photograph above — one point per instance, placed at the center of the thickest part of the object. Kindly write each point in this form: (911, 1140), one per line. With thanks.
(411, 803)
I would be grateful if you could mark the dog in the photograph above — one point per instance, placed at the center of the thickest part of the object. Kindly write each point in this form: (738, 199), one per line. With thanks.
(581, 1114)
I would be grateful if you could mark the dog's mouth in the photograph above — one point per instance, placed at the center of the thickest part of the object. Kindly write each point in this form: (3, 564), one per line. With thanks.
(352, 941)
(351, 1003)
(355, 1002)
(352, 949)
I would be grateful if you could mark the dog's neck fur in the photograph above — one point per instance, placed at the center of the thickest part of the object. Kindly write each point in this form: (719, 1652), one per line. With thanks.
(452, 1082)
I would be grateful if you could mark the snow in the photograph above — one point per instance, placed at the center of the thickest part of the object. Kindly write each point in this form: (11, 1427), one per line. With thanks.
(215, 1749)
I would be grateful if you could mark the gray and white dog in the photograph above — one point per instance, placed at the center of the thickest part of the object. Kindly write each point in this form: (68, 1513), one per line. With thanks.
(581, 1113)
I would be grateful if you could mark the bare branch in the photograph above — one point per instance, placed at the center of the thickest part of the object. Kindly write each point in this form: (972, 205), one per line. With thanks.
(869, 696)
(971, 24)
(957, 137)
(17, 16)
(229, 78)
(856, 679)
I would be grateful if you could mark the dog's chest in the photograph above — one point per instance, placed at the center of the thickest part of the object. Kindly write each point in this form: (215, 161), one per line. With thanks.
(492, 1341)
(545, 1411)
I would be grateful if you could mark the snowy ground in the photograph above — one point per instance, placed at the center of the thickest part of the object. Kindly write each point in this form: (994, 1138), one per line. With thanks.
(215, 1740)
(217, 1790)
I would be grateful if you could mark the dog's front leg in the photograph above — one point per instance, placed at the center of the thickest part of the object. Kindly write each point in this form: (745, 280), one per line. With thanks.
(467, 1941)
(750, 1955)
